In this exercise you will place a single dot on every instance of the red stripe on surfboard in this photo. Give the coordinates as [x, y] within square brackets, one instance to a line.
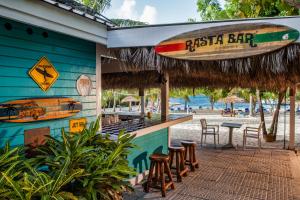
[170, 47]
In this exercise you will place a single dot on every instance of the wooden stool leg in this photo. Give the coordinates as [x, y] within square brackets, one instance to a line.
[171, 158]
[178, 167]
[149, 180]
[191, 159]
[162, 178]
[157, 172]
[195, 159]
[170, 177]
[182, 165]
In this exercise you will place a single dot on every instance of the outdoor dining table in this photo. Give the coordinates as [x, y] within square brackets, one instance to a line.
[231, 126]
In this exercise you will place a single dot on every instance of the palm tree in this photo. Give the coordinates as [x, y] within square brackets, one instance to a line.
[214, 94]
[184, 94]
[97, 5]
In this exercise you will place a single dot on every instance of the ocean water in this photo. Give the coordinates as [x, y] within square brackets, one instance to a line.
[202, 102]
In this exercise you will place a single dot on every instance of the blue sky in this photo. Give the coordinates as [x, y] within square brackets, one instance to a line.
[154, 11]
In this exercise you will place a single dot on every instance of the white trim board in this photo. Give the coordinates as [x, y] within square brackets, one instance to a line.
[47, 16]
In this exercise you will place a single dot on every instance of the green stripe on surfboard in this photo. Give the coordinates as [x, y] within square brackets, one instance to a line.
[276, 36]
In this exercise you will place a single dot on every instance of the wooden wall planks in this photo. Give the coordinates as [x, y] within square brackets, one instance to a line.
[19, 51]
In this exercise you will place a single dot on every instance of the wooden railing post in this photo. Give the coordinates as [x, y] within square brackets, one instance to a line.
[292, 117]
[142, 96]
[165, 96]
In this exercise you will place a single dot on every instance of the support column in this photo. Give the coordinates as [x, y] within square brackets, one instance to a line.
[165, 96]
[292, 117]
[98, 80]
[142, 96]
[251, 105]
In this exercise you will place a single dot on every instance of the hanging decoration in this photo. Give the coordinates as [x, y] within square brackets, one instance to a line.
[84, 85]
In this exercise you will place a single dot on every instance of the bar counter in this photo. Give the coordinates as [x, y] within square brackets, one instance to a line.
[151, 136]
[144, 125]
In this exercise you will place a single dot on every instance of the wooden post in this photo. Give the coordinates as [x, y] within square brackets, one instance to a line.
[292, 117]
[98, 79]
[165, 96]
[251, 105]
[142, 95]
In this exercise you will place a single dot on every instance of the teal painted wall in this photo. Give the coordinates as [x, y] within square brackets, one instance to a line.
[156, 142]
[19, 52]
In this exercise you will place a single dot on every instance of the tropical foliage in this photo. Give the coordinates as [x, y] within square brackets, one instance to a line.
[77, 166]
[97, 5]
[127, 22]
[212, 10]
[233, 9]
[214, 94]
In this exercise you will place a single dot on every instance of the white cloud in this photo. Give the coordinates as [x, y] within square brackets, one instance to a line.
[149, 14]
[127, 10]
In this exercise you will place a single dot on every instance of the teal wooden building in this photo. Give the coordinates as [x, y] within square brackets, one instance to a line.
[79, 42]
[20, 50]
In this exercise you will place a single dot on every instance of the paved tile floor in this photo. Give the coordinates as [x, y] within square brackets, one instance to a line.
[233, 174]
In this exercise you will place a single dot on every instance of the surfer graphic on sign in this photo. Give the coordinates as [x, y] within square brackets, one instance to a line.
[44, 73]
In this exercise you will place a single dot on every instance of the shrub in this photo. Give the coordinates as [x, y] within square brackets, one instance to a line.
[77, 166]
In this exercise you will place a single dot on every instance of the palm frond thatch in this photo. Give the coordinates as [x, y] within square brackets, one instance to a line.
[273, 70]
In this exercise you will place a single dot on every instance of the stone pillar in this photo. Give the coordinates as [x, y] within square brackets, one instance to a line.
[292, 117]
[165, 96]
[142, 96]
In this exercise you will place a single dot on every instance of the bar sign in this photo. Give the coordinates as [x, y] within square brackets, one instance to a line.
[77, 125]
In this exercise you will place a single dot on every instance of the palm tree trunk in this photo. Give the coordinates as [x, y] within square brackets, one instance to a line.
[274, 124]
[212, 103]
[114, 105]
[251, 105]
[261, 111]
[254, 107]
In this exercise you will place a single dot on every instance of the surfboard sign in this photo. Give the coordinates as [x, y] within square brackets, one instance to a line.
[227, 42]
[39, 109]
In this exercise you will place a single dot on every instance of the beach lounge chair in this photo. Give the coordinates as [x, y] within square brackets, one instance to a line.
[252, 132]
[228, 113]
[209, 130]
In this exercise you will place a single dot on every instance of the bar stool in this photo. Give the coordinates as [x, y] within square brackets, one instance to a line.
[181, 169]
[190, 154]
[160, 163]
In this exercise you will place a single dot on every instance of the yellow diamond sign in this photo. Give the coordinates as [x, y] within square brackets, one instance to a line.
[44, 73]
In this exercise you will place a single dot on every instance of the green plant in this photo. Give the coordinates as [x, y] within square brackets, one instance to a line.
[76, 166]
[11, 165]
[39, 185]
[103, 161]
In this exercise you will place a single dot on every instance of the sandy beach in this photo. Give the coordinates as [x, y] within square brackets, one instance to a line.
[192, 129]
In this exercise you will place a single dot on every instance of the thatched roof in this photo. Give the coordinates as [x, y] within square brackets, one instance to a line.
[129, 99]
[232, 99]
[274, 70]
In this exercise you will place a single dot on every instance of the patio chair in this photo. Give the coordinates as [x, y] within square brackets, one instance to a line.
[209, 130]
[252, 132]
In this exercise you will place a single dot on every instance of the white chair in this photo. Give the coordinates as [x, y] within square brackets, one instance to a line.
[209, 130]
[254, 133]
